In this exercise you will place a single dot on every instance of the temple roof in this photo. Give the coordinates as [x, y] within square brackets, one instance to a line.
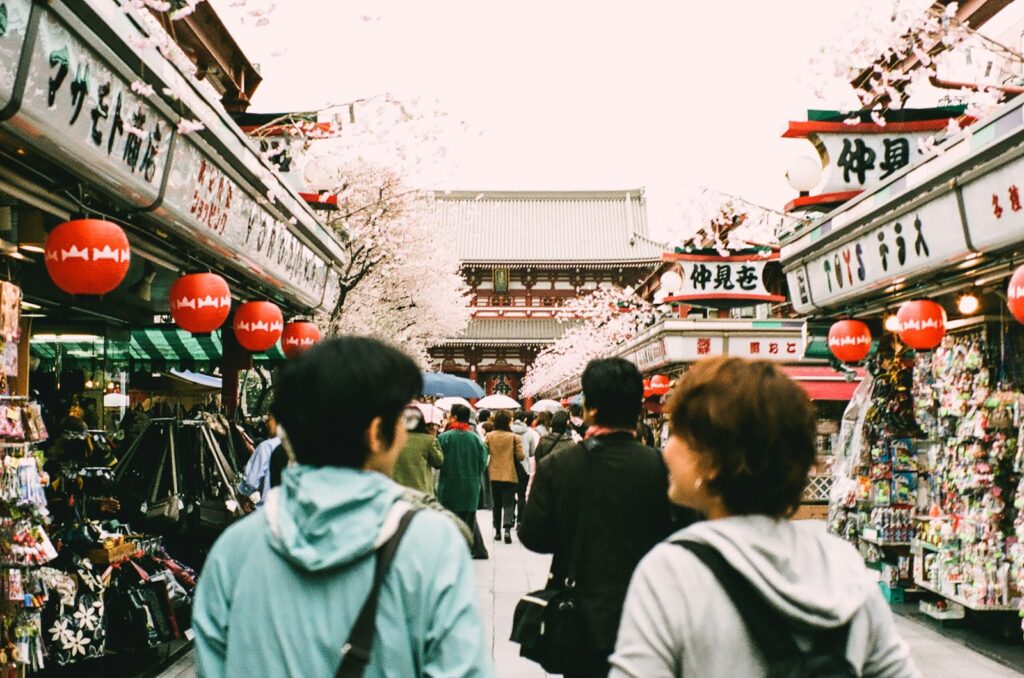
[527, 331]
[547, 226]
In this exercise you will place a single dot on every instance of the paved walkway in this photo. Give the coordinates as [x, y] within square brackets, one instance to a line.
[512, 571]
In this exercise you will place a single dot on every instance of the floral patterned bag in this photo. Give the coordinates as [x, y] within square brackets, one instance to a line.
[74, 618]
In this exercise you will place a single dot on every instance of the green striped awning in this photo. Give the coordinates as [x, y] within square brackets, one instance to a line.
[152, 348]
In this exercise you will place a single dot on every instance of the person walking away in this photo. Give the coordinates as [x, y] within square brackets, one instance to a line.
[282, 588]
[506, 450]
[421, 453]
[542, 423]
[576, 422]
[556, 440]
[529, 439]
[458, 486]
[483, 416]
[742, 443]
[257, 469]
[627, 512]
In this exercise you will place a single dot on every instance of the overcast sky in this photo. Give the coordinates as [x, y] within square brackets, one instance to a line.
[567, 94]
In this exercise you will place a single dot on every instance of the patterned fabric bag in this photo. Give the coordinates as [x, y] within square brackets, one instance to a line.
[74, 618]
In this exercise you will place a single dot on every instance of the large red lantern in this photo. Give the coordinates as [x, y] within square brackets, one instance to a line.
[647, 389]
[299, 336]
[660, 384]
[258, 325]
[1015, 294]
[87, 256]
[200, 302]
[849, 340]
[922, 324]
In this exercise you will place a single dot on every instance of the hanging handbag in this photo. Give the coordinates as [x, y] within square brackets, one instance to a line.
[547, 623]
[166, 510]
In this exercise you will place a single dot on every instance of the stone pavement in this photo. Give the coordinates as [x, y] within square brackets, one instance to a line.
[512, 571]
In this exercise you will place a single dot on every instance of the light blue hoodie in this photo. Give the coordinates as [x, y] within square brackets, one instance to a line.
[281, 588]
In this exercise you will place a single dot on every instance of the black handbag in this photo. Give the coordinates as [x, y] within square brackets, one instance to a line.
[547, 623]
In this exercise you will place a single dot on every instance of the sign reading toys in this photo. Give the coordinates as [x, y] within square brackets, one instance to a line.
[723, 280]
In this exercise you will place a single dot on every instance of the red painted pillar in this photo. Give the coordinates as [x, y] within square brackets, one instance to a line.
[233, 360]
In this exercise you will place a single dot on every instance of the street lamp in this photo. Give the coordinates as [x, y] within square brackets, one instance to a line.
[671, 282]
[803, 173]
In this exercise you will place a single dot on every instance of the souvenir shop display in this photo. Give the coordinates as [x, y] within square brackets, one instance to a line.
[938, 469]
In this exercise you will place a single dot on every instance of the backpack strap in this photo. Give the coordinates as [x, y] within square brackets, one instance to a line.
[582, 524]
[355, 654]
[768, 628]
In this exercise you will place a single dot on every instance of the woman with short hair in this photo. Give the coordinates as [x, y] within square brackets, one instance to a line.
[741, 446]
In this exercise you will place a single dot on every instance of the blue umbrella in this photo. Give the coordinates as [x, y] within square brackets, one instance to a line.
[440, 385]
[577, 400]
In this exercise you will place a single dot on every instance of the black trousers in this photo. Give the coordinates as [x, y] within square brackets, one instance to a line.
[524, 481]
[504, 503]
[478, 550]
[591, 665]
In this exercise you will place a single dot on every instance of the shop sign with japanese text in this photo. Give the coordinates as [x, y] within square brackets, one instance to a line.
[88, 112]
[993, 204]
[13, 28]
[766, 348]
[650, 355]
[723, 278]
[201, 197]
[891, 252]
[852, 161]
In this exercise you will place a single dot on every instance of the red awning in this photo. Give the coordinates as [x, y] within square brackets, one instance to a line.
[823, 383]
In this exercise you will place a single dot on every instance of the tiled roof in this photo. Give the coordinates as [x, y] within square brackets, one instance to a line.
[511, 330]
[547, 226]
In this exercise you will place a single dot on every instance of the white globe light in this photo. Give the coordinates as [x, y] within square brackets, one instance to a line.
[803, 173]
[320, 174]
[671, 281]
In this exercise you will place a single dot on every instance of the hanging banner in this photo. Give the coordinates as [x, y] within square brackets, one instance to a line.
[735, 278]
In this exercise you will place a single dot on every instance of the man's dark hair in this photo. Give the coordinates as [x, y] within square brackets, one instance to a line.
[520, 415]
[461, 413]
[757, 427]
[614, 388]
[483, 415]
[502, 421]
[327, 397]
[577, 410]
[560, 422]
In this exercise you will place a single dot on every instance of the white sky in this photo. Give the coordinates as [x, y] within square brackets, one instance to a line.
[567, 94]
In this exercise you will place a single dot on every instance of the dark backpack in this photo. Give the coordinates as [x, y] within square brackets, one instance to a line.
[772, 631]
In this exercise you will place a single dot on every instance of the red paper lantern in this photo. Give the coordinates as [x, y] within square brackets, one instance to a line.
[660, 384]
[1015, 294]
[258, 325]
[922, 324]
[200, 302]
[87, 256]
[647, 389]
[849, 340]
[298, 337]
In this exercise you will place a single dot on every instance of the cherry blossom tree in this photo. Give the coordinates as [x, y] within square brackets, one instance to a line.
[601, 322]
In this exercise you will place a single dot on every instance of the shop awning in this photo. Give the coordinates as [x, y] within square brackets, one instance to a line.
[152, 348]
[824, 383]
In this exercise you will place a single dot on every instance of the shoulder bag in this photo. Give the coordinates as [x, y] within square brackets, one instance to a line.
[355, 654]
[547, 623]
[771, 631]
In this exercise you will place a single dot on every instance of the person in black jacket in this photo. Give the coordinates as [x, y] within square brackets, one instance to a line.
[626, 484]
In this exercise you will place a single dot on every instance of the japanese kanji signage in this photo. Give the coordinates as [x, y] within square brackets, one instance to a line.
[852, 161]
[723, 278]
[993, 204]
[693, 343]
[889, 252]
[75, 100]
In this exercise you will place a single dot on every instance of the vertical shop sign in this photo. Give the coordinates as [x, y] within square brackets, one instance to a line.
[90, 114]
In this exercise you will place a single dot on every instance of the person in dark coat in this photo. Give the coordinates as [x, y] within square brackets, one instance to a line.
[458, 484]
[626, 484]
[557, 439]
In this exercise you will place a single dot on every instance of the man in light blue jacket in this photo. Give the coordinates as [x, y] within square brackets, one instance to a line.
[282, 588]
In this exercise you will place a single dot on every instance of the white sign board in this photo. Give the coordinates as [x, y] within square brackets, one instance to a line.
[852, 161]
[738, 278]
[994, 204]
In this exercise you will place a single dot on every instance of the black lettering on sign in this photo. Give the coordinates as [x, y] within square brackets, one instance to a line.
[79, 89]
[58, 58]
[101, 111]
[3, 19]
[117, 126]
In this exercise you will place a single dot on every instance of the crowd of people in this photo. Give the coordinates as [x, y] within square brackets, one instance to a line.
[683, 560]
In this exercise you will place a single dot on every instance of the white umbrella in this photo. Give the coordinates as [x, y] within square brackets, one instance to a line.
[432, 414]
[497, 402]
[446, 403]
[546, 406]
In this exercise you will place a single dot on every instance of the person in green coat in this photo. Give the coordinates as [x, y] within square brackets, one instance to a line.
[465, 458]
[420, 454]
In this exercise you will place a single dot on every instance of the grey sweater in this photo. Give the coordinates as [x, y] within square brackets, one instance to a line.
[679, 622]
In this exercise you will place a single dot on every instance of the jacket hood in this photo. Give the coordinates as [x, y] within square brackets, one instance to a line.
[328, 516]
[519, 428]
[813, 578]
